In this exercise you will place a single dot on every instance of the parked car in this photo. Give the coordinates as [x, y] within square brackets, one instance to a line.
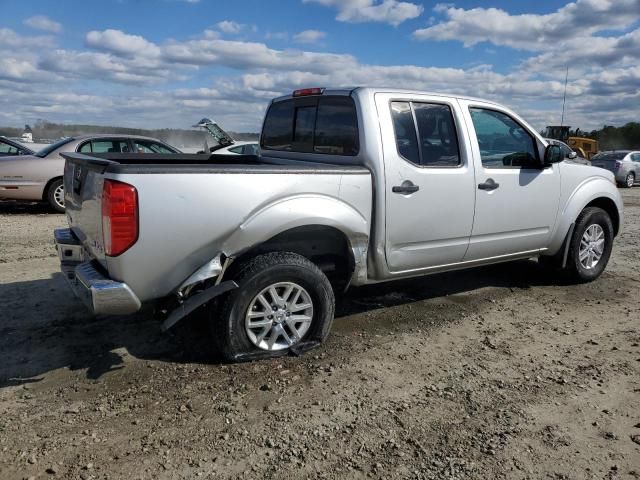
[38, 176]
[624, 164]
[240, 148]
[569, 154]
[351, 187]
[10, 147]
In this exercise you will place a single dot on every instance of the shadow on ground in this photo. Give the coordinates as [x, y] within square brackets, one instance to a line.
[45, 328]
[9, 207]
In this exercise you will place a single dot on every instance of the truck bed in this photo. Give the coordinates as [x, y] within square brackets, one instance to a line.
[192, 207]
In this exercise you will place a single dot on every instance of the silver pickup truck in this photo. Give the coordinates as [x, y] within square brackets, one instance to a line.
[351, 187]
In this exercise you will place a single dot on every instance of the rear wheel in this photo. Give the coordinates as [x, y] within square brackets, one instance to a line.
[283, 302]
[590, 246]
[55, 195]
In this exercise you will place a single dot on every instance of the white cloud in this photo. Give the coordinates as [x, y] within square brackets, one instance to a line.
[121, 43]
[38, 74]
[393, 12]
[309, 36]
[41, 22]
[602, 51]
[10, 40]
[531, 31]
[229, 26]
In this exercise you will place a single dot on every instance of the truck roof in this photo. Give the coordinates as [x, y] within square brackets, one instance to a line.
[373, 90]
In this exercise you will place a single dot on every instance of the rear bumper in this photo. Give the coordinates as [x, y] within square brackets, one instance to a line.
[99, 293]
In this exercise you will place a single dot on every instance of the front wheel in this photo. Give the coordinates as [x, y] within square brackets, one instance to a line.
[590, 246]
[283, 302]
[55, 195]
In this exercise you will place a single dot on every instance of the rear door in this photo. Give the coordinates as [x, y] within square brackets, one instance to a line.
[516, 200]
[429, 181]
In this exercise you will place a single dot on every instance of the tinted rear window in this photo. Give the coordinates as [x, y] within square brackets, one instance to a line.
[327, 125]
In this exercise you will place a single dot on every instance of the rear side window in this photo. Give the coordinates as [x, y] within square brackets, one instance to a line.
[326, 125]
[425, 134]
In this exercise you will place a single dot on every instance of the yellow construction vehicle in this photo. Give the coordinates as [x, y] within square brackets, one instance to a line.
[584, 147]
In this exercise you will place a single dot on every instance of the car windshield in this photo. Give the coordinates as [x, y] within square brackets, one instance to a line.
[610, 156]
[47, 150]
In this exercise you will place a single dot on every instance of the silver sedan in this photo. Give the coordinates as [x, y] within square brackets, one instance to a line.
[624, 164]
[38, 177]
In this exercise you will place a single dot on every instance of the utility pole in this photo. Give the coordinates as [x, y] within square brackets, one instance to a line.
[564, 98]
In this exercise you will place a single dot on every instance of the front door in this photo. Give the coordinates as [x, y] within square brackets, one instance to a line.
[516, 200]
[429, 185]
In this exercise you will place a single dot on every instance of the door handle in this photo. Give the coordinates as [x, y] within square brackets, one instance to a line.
[489, 185]
[406, 188]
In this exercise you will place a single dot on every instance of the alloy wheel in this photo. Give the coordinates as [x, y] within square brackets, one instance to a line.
[592, 246]
[279, 316]
[58, 196]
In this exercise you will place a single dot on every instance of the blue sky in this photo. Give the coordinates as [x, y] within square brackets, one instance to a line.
[166, 63]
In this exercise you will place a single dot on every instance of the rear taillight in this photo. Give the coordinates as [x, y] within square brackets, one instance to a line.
[119, 217]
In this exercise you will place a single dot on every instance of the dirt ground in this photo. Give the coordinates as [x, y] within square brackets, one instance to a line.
[493, 373]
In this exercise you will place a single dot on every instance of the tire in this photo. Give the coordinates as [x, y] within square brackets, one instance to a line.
[237, 337]
[630, 180]
[598, 223]
[55, 195]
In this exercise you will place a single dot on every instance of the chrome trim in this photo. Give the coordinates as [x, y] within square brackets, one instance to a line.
[69, 248]
[99, 293]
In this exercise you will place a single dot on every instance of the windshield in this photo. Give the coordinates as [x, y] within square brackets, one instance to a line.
[610, 156]
[47, 150]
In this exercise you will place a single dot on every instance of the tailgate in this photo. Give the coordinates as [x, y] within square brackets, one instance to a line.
[83, 181]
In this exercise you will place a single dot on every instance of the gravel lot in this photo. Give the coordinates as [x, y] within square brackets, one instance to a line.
[492, 373]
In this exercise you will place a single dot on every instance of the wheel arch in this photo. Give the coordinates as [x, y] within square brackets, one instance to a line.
[609, 206]
[327, 231]
[597, 192]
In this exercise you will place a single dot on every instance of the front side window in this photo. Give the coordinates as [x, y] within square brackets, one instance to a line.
[503, 142]
[425, 134]
[326, 125]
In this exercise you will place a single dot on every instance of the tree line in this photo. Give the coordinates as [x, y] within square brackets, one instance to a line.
[44, 131]
[609, 137]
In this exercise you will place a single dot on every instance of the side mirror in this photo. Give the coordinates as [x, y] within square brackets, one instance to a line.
[552, 154]
[572, 156]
